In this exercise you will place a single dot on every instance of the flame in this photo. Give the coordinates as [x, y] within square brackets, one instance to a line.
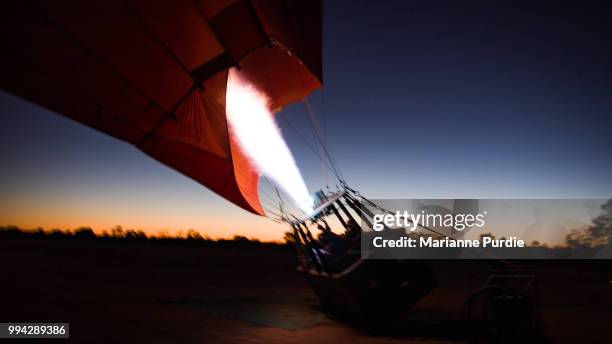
[252, 122]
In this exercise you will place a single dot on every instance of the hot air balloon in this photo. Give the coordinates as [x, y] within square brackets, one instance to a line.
[154, 73]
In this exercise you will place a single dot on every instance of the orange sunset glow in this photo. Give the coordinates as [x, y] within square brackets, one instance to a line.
[162, 218]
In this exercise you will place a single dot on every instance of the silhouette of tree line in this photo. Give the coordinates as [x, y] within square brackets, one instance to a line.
[597, 234]
[118, 234]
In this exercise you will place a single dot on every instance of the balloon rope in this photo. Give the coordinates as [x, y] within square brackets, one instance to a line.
[314, 125]
[314, 151]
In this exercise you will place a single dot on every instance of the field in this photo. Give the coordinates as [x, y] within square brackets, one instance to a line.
[153, 293]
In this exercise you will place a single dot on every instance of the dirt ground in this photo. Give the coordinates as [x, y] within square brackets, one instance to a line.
[124, 292]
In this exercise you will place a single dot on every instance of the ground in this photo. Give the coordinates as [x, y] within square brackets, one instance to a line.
[144, 292]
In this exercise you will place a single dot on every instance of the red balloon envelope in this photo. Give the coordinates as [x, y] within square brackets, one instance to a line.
[154, 73]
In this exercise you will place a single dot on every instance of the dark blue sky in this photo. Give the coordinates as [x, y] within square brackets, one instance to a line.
[427, 100]
[470, 101]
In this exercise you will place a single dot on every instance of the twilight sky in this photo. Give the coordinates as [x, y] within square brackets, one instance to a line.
[436, 100]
